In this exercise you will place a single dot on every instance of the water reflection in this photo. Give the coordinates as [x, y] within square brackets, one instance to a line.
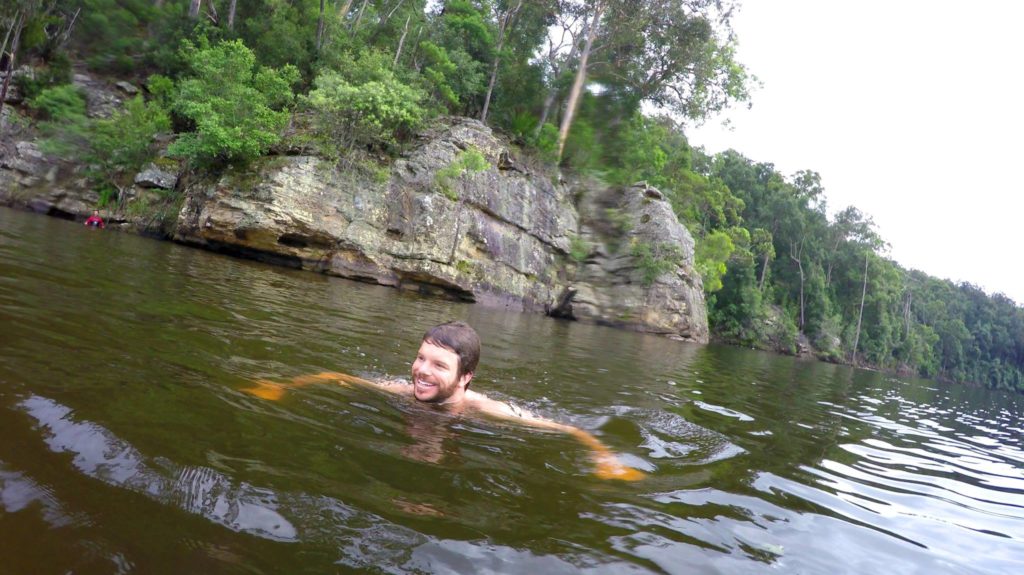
[100, 454]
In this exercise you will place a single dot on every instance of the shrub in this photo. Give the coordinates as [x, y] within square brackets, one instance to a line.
[56, 72]
[238, 109]
[378, 111]
[471, 161]
[579, 249]
[59, 104]
[112, 147]
[653, 262]
[121, 143]
[713, 251]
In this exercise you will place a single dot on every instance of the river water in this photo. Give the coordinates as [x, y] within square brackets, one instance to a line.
[128, 446]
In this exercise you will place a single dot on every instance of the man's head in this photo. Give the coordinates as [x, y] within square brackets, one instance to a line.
[445, 362]
[96, 213]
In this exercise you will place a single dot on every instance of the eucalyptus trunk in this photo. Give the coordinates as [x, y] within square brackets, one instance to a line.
[505, 23]
[343, 11]
[577, 85]
[18, 20]
[359, 17]
[231, 14]
[800, 266]
[385, 19]
[401, 41]
[764, 273]
[320, 27]
[193, 9]
[860, 316]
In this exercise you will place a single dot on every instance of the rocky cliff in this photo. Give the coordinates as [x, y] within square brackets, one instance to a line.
[490, 231]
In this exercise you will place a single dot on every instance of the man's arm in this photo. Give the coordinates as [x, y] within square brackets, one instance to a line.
[273, 391]
[607, 465]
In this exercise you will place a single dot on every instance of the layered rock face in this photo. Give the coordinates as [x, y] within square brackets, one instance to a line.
[489, 232]
[639, 272]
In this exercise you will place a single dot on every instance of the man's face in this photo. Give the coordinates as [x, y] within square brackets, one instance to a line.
[435, 373]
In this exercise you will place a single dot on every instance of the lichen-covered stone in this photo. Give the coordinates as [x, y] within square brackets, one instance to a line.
[153, 176]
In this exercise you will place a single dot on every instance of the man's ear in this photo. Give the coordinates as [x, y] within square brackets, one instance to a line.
[465, 379]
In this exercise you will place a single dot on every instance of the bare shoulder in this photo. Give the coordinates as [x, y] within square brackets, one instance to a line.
[505, 410]
[484, 404]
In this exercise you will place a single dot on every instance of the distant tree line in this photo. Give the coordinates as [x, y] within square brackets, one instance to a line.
[566, 80]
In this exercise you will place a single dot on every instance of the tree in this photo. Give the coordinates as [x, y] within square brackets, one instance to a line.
[9, 57]
[506, 18]
[238, 108]
[591, 26]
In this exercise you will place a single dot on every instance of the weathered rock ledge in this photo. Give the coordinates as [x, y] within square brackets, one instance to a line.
[500, 236]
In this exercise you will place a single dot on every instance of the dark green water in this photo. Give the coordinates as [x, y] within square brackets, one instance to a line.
[126, 445]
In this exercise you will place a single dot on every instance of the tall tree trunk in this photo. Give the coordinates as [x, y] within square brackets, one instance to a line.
[552, 96]
[831, 260]
[906, 314]
[505, 23]
[577, 85]
[193, 9]
[211, 12]
[800, 265]
[401, 41]
[385, 19]
[362, 8]
[231, 14]
[343, 10]
[7, 36]
[764, 272]
[18, 21]
[320, 27]
[549, 102]
[863, 293]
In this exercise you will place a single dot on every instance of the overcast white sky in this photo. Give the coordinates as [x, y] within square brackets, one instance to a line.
[911, 110]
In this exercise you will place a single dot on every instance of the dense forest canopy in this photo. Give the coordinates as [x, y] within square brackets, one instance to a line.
[569, 81]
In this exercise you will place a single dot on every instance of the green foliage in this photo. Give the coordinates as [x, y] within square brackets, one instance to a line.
[380, 110]
[55, 72]
[113, 148]
[438, 73]
[579, 249]
[620, 221]
[121, 143]
[712, 253]
[546, 142]
[655, 261]
[469, 161]
[108, 195]
[63, 103]
[238, 109]
[162, 89]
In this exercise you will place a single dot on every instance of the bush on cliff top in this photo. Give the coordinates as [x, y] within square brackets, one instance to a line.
[378, 111]
[238, 109]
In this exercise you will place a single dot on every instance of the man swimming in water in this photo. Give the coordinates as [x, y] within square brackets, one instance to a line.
[441, 373]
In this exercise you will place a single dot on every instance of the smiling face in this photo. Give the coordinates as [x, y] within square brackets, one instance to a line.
[435, 375]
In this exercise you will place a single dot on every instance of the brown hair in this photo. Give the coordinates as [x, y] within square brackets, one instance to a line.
[460, 338]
